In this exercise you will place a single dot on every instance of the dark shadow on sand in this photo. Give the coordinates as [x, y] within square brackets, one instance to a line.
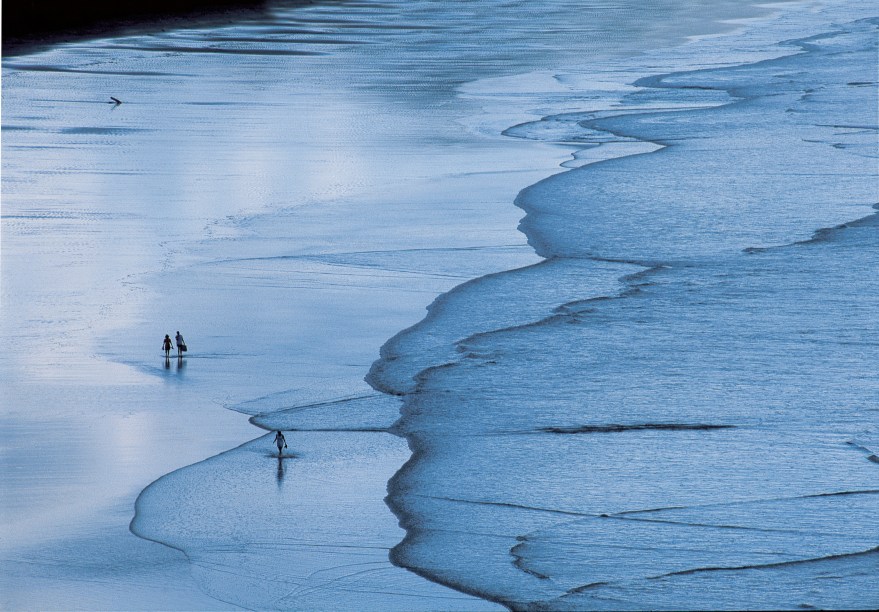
[29, 27]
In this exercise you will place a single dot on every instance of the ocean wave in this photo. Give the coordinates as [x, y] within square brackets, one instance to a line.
[738, 372]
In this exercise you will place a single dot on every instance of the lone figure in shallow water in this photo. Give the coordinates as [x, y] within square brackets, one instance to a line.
[281, 442]
[166, 346]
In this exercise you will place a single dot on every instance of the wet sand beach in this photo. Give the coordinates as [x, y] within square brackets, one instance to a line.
[290, 191]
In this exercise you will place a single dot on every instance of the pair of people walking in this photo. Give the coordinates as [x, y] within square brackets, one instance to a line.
[181, 345]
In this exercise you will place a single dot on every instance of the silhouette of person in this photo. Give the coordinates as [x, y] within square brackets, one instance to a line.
[166, 346]
[280, 441]
[181, 345]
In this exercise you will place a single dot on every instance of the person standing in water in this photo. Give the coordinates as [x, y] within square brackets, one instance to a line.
[166, 346]
[281, 442]
[181, 345]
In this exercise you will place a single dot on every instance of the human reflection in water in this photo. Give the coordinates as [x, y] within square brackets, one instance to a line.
[181, 363]
[167, 363]
[280, 474]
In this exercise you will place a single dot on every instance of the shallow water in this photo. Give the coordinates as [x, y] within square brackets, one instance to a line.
[704, 436]
[290, 193]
